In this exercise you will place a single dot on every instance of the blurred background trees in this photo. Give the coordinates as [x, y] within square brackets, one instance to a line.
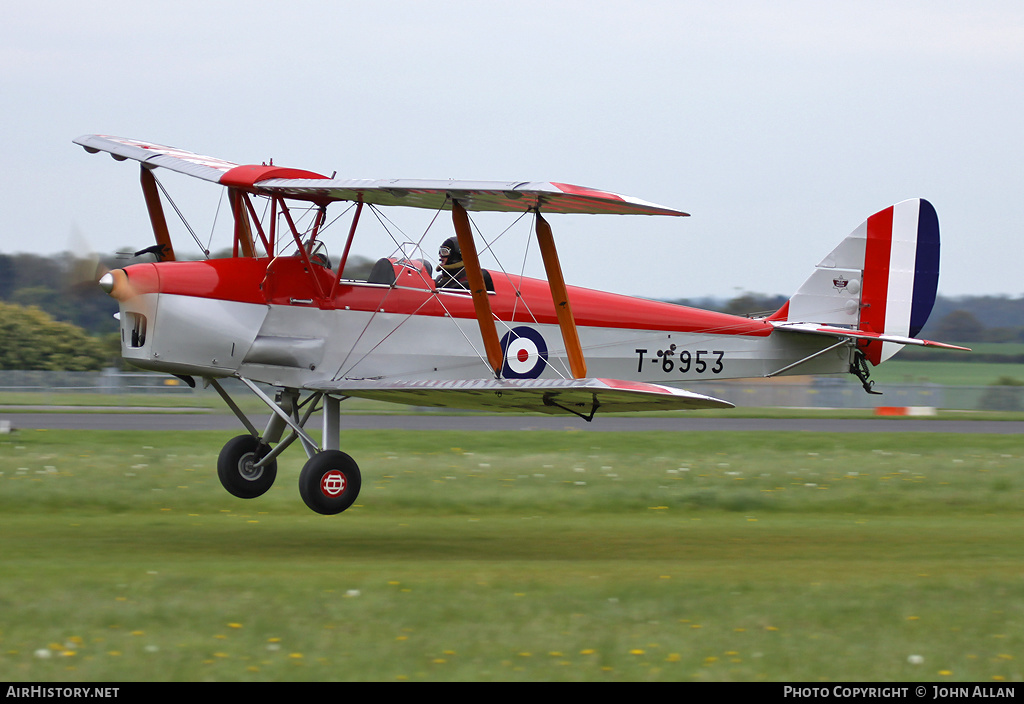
[54, 316]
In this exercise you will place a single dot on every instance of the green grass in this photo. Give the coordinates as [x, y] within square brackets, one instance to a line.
[518, 556]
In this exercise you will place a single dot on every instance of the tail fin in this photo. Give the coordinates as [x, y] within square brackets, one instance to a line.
[881, 279]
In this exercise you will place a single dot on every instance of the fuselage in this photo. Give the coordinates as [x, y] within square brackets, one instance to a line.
[286, 323]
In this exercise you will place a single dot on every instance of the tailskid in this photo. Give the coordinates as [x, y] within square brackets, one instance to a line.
[859, 368]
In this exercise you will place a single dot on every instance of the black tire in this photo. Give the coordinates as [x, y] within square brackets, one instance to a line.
[329, 482]
[235, 467]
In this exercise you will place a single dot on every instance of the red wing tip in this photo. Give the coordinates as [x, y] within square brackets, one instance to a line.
[636, 386]
[639, 206]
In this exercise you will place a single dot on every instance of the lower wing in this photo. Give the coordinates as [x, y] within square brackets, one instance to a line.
[582, 397]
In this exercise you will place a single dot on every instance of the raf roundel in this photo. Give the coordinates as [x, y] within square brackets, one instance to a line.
[526, 353]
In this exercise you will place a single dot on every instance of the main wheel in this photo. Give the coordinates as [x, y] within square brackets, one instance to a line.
[237, 471]
[329, 482]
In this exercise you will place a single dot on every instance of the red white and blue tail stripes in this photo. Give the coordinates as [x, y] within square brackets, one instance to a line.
[901, 273]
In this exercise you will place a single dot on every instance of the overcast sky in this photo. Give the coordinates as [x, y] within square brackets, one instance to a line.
[779, 126]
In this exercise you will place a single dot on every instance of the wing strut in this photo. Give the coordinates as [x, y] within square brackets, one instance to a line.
[475, 276]
[348, 246]
[243, 233]
[559, 294]
[156, 214]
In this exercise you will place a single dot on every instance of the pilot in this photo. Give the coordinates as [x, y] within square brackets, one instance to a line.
[452, 271]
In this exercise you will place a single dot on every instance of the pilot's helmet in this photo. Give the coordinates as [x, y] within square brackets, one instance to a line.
[449, 252]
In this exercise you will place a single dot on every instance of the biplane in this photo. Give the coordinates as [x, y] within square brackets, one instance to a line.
[288, 322]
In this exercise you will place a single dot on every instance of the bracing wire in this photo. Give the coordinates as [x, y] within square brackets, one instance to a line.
[181, 216]
[381, 218]
[213, 227]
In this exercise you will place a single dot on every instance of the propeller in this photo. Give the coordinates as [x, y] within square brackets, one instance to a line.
[115, 281]
[87, 269]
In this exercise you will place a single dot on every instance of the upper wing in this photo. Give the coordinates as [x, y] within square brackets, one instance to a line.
[579, 396]
[814, 329]
[207, 168]
[511, 196]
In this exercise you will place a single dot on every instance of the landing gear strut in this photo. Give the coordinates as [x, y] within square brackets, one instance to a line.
[330, 480]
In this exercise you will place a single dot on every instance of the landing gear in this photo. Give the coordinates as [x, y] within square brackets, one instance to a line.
[247, 466]
[238, 470]
[330, 482]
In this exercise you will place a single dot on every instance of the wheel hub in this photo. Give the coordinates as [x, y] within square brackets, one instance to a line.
[333, 484]
[248, 469]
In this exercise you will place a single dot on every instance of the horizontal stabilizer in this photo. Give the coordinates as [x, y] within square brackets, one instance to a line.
[814, 329]
[580, 396]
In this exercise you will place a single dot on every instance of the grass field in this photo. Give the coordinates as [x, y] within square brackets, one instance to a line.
[518, 556]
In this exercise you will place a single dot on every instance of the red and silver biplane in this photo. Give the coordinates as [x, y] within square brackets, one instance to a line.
[281, 313]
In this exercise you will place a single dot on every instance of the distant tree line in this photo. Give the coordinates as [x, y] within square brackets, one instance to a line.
[956, 319]
[64, 286]
[70, 307]
[31, 339]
